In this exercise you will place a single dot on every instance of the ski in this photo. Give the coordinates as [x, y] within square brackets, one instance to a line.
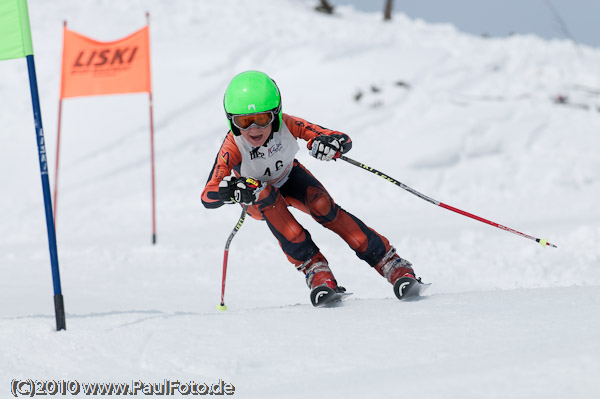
[407, 287]
[323, 296]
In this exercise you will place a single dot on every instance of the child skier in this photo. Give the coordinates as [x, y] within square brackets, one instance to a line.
[260, 149]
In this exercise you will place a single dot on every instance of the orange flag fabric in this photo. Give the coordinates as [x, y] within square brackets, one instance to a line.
[91, 68]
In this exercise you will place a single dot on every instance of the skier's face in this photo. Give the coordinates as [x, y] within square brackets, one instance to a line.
[257, 136]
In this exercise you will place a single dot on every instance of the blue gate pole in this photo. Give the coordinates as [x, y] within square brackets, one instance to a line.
[59, 307]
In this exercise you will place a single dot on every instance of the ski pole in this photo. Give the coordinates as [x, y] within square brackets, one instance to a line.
[222, 305]
[541, 241]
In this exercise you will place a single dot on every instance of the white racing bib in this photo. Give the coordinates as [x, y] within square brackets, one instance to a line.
[271, 163]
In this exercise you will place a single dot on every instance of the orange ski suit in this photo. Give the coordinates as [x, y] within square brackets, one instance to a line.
[300, 190]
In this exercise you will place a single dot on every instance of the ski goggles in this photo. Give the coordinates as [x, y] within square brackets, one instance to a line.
[261, 119]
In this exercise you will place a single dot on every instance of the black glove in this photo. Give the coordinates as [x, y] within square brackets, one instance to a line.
[327, 147]
[243, 190]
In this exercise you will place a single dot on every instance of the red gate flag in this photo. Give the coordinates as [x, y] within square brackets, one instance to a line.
[90, 67]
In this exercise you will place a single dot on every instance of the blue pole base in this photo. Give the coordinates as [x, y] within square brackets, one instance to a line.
[59, 311]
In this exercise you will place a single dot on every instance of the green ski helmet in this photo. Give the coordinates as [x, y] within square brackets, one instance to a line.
[252, 92]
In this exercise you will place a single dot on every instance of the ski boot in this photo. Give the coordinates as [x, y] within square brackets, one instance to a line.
[400, 274]
[323, 287]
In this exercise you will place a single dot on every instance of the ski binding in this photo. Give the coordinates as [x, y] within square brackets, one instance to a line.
[324, 296]
[408, 287]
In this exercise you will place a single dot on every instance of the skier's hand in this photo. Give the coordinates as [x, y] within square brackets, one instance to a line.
[326, 147]
[243, 190]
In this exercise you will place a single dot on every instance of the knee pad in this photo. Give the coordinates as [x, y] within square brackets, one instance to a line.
[321, 205]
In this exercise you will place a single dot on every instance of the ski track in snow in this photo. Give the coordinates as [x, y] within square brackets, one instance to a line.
[473, 124]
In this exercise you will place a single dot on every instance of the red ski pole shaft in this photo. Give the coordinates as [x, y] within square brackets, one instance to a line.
[226, 255]
[541, 241]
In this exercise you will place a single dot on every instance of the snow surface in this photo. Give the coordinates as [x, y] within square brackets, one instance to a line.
[468, 121]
